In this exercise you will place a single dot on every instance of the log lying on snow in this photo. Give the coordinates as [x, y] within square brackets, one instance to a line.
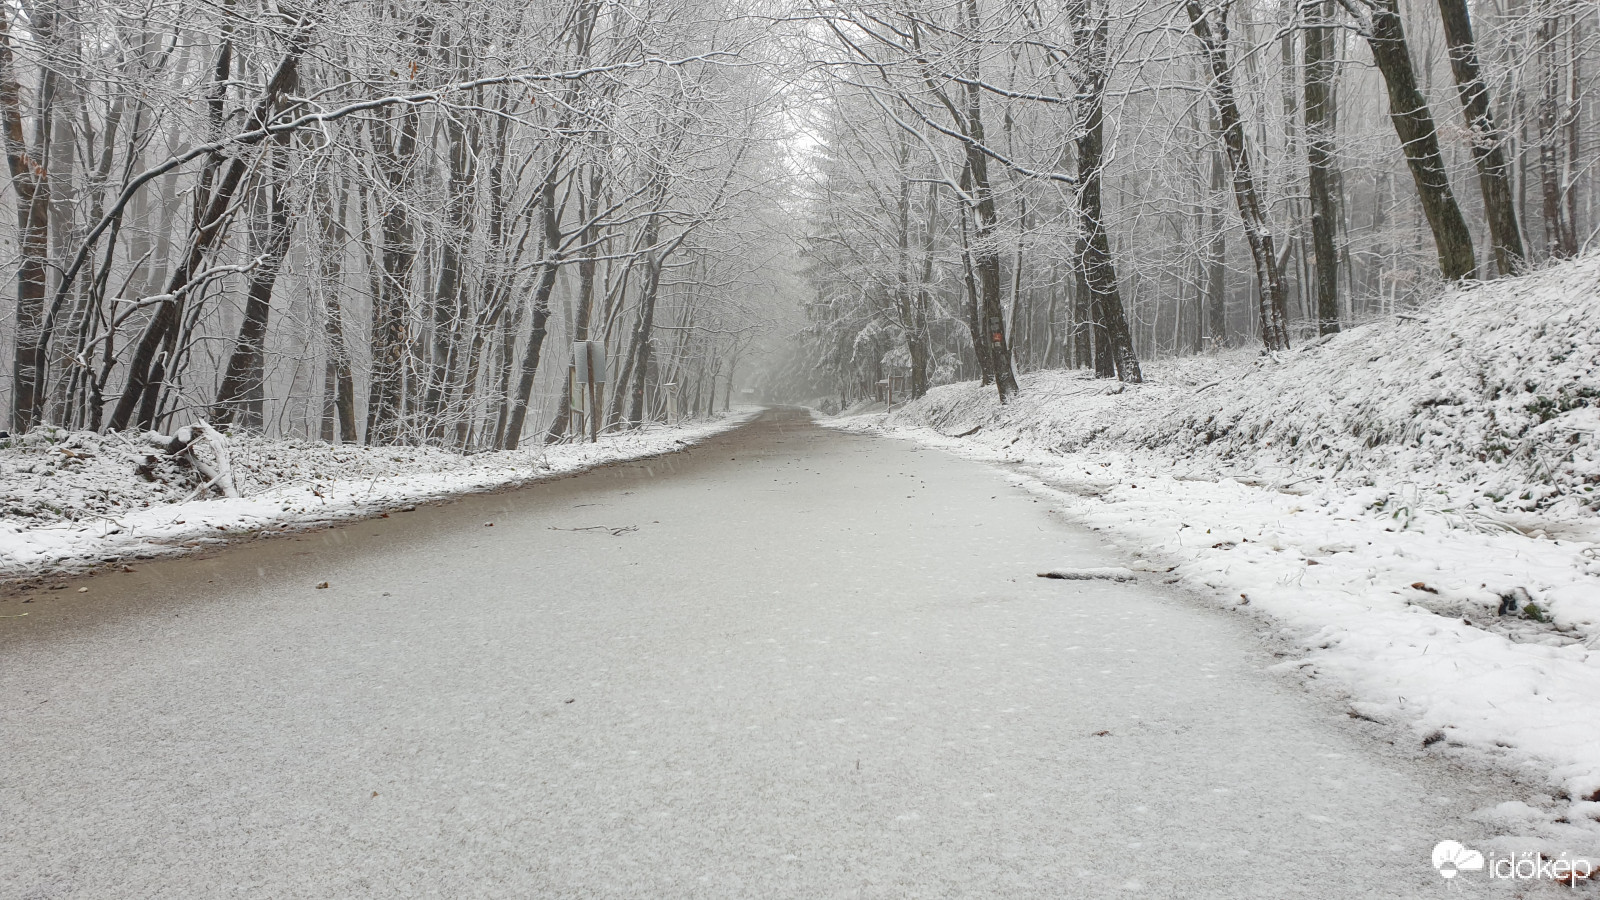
[218, 472]
[1110, 573]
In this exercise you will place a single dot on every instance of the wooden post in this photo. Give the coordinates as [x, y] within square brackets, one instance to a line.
[575, 409]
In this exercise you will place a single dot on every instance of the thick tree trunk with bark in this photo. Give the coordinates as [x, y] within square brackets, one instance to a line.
[1320, 163]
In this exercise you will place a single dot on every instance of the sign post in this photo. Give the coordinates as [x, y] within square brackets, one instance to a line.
[575, 406]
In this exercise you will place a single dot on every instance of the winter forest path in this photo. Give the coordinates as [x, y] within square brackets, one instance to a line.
[787, 662]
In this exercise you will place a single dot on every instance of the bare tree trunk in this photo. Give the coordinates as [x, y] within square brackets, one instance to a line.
[920, 345]
[1113, 342]
[1488, 141]
[908, 299]
[1575, 98]
[1320, 162]
[1084, 338]
[642, 345]
[508, 356]
[588, 266]
[581, 35]
[1055, 349]
[986, 252]
[1419, 139]
[156, 355]
[339, 415]
[449, 296]
[1017, 330]
[1216, 302]
[61, 110]
[243, 389]
[1213, 36]
[397, 255]
[539, 308]
[1560, 232]
[83, 389]
[493, 289]
[655, 263]
[973, 306]
[32, 185]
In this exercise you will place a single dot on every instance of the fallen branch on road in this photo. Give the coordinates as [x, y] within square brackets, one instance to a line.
[1109, 573]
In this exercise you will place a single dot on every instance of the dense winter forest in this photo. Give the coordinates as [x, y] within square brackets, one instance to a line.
[388, 222]
[1015, 185]
[377, 221]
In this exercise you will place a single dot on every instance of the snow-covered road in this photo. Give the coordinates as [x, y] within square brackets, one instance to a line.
[788, 662]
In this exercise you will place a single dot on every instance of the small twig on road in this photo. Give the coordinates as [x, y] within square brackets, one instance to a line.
[614, 532]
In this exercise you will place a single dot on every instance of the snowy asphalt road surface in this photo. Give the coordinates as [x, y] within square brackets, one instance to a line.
[790, 662]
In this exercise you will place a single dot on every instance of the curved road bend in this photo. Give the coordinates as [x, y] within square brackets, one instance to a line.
[789, 662]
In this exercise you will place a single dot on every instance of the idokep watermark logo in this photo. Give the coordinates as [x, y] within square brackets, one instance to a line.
[1452, 858]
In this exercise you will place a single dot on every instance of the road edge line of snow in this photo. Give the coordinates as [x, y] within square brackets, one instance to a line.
[68, 547]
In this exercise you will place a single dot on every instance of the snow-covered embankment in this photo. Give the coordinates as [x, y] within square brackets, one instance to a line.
[1412, 503]
[69, 500]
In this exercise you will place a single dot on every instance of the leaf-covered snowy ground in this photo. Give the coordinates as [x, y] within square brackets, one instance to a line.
[69, 500]
[1411, 502]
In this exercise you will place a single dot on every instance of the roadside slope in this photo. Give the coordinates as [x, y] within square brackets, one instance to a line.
[1489, 400]
[1410, 502]
[70, 500]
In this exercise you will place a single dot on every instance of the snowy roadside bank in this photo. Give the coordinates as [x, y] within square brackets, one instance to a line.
[1421, 529]
[1403, 622]
[70, 501]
